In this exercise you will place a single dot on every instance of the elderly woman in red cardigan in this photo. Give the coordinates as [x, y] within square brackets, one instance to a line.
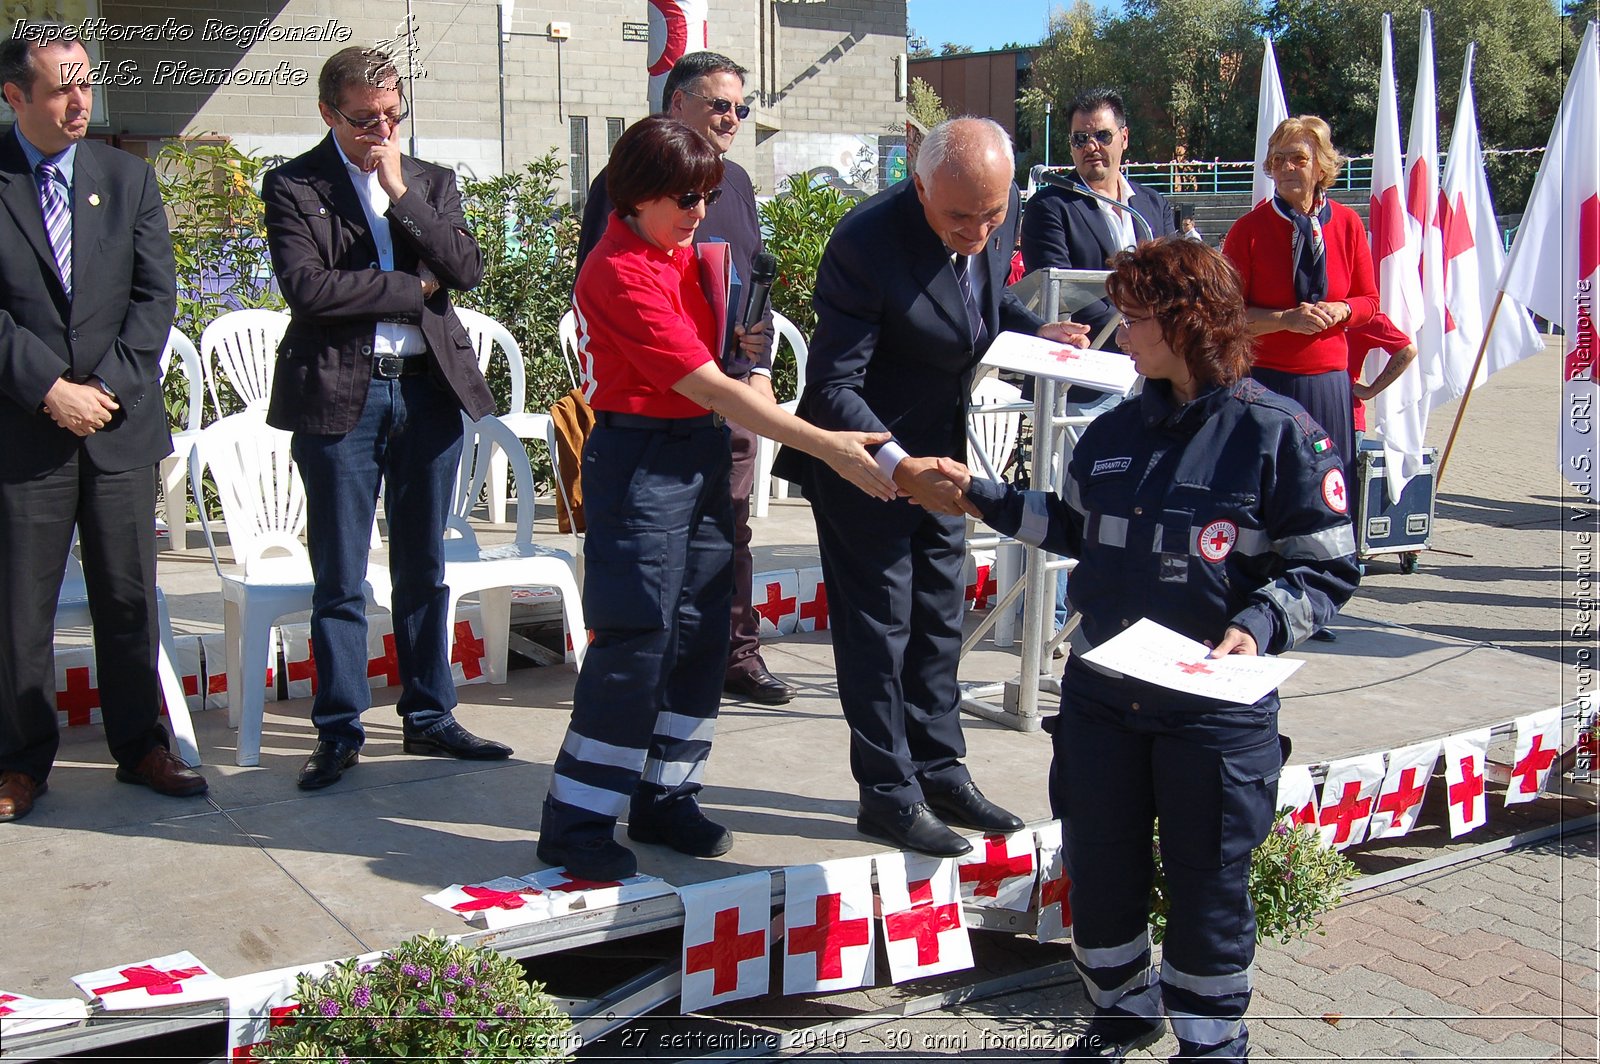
[1307, 272]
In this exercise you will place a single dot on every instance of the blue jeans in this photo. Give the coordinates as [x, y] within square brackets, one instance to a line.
[408, 438]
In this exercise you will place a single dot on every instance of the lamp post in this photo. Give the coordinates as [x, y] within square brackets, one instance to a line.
[1047, 133]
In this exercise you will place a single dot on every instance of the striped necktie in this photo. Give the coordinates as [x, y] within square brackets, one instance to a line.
[57, 220]
[969, 298]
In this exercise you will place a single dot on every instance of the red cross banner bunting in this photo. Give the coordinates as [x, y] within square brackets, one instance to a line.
[214, 653]
[1055, 910]
[1000, 872]
[1348, 791]
[812, 614]
[585, 895]
[497, 903]
[264, 1000]
[725, 940]
[1404, 786]
[1538, 746]
[776, 598]
[924, 929]
[1464, 756]
[467, 650]
[77, 687]
[21, 1014]
[169, 980]
[980, 580]
[1297, 792]
[827, 926]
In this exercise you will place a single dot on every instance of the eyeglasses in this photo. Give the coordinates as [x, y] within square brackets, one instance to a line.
[1125, 322]
[689, 200]
[721, 106]
[1104, 136]
[365, 124]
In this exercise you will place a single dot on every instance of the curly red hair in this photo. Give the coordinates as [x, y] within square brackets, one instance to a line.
[1194, 294]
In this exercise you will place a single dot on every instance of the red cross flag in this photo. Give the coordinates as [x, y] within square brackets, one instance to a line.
[497, 903]
[587, 895]
[1538, 746]
[812, 615]
[1464, 755]
[1400, 798]
[467, 650]
[924, 929]
[999, 872]
[1348, 791]
[677, 27]
[214, 654]
[299, 667]
[776, 598]
[827, 914]
[1055, 910]
[77, 687]
[725, 924]
[259, 1002]
[980, 580]
[21, 1014]
[177, 977]
[186, 659]
[1297, 792]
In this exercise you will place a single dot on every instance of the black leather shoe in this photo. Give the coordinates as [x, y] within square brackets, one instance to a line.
[757, 685]
[912, 828]
[967, 807]
[681, 825]
[1115, 1034]
[327, 763]
[1324, 635]
[455, 741]
[599, 860]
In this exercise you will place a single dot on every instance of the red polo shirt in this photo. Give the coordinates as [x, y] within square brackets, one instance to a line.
[643, 325]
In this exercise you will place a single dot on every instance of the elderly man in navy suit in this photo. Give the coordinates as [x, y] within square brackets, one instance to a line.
[909, 296]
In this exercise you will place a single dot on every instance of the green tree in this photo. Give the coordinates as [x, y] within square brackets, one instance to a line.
[924, 105]
[1069, 60]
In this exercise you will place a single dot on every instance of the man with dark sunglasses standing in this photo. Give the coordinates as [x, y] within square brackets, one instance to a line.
[372, 377]
[1074, 231]
[705, 91]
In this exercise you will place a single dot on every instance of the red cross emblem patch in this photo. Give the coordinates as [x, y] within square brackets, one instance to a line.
[1333, 492]
[1217, 540]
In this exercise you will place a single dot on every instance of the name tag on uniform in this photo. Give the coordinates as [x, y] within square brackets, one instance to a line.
[1111, 465]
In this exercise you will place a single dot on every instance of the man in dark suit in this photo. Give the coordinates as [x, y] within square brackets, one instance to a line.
[87, 294]
[910, 294]
[372, 377]
[1074, 231]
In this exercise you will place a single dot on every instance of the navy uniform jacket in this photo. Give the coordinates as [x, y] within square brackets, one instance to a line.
[1229, 510]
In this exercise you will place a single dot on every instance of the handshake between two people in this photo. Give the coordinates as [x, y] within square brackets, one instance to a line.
[938, 485]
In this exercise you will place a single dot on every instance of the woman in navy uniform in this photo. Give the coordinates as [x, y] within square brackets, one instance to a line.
[658, 554]
[1216, 508]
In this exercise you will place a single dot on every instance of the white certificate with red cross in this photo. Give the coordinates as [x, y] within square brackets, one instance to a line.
[1156, 654]
[1108, 371]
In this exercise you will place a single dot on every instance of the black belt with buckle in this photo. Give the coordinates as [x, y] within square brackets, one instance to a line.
[393, 367]
[678, 426]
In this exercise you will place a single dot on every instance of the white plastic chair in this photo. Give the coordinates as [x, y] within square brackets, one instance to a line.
[492, 571]
[994, 423]
[487, 335]
[767, 487]
[72, 611]
[242, 347]
[264, 509]
[175, 467]
[568, 332]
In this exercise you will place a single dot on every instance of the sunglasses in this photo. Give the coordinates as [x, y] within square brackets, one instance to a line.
[689, 200]
[365, 124]
[1104, 136]
[721, 106]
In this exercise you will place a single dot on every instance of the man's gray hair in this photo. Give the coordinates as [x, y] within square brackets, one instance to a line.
[959, 141]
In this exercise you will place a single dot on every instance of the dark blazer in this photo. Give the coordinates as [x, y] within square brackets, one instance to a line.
[892, 348]
[116, 326]
[327, 267]
[1067, 230]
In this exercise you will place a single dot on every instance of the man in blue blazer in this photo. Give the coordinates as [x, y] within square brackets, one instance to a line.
[1074, 231]
[910, 293]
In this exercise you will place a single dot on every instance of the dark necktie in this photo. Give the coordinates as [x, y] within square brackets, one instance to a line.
[969, 298]
[57, 220]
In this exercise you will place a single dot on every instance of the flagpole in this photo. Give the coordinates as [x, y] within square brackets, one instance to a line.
[1472, 379]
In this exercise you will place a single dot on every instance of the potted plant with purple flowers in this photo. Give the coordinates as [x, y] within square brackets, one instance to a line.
[427, 999]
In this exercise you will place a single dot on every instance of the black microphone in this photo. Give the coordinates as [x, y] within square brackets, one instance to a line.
[763, 271]
[1058, 180]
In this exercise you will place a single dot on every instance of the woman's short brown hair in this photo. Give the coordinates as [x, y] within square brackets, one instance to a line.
[1193, 293]
[659, 156]
[1315, 130]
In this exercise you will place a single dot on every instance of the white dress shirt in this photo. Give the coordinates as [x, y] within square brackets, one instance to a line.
[389, 338]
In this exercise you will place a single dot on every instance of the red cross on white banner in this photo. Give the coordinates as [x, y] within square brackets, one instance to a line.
[178, 976]
[924, 929]
[384, 665]
[813, 616]
[1404, 786]
[24, 1015]
[1297, 792]
[257, 1003]
[775, 600]
[213, 651]
[1538, 746]
[1055, 907]
[1348, 792]
[999, 874]
[827, 912]
[725, 926]
[467, 651]
[79, 697]
[1464, 756]
[497, 903]
[981, 588]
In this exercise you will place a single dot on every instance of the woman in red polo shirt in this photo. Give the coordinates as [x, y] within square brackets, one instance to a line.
[659, 550]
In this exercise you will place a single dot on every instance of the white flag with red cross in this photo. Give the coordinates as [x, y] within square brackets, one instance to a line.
[169, 980]
[497, 903]
[1055, 907]
[725, 940]
[21, 1014]
[187, 658]
[1404, 786]
[383, 662]
[1464, 757]
[980, 579]
[77, 687]
[467, 651]
[588, 895]
[1538, 746]
[1348, 791]
[812, 613]
[214, 650]
[1000, 872]
[1297, 792]
[827, 926]
[924, 929]
[259, 1002]
[299, 666]
[776, 600]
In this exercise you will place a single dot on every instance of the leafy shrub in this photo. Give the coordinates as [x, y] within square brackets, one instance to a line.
[797, 225]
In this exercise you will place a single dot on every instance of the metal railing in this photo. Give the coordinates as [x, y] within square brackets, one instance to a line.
[1221, 177]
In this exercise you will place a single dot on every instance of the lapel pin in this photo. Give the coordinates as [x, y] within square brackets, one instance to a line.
[94, 199]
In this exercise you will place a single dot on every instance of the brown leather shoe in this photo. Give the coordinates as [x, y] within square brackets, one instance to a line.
[17, 792]
[165, 773]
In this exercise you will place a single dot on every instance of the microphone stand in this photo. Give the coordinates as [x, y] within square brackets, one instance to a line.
[1059, 180]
